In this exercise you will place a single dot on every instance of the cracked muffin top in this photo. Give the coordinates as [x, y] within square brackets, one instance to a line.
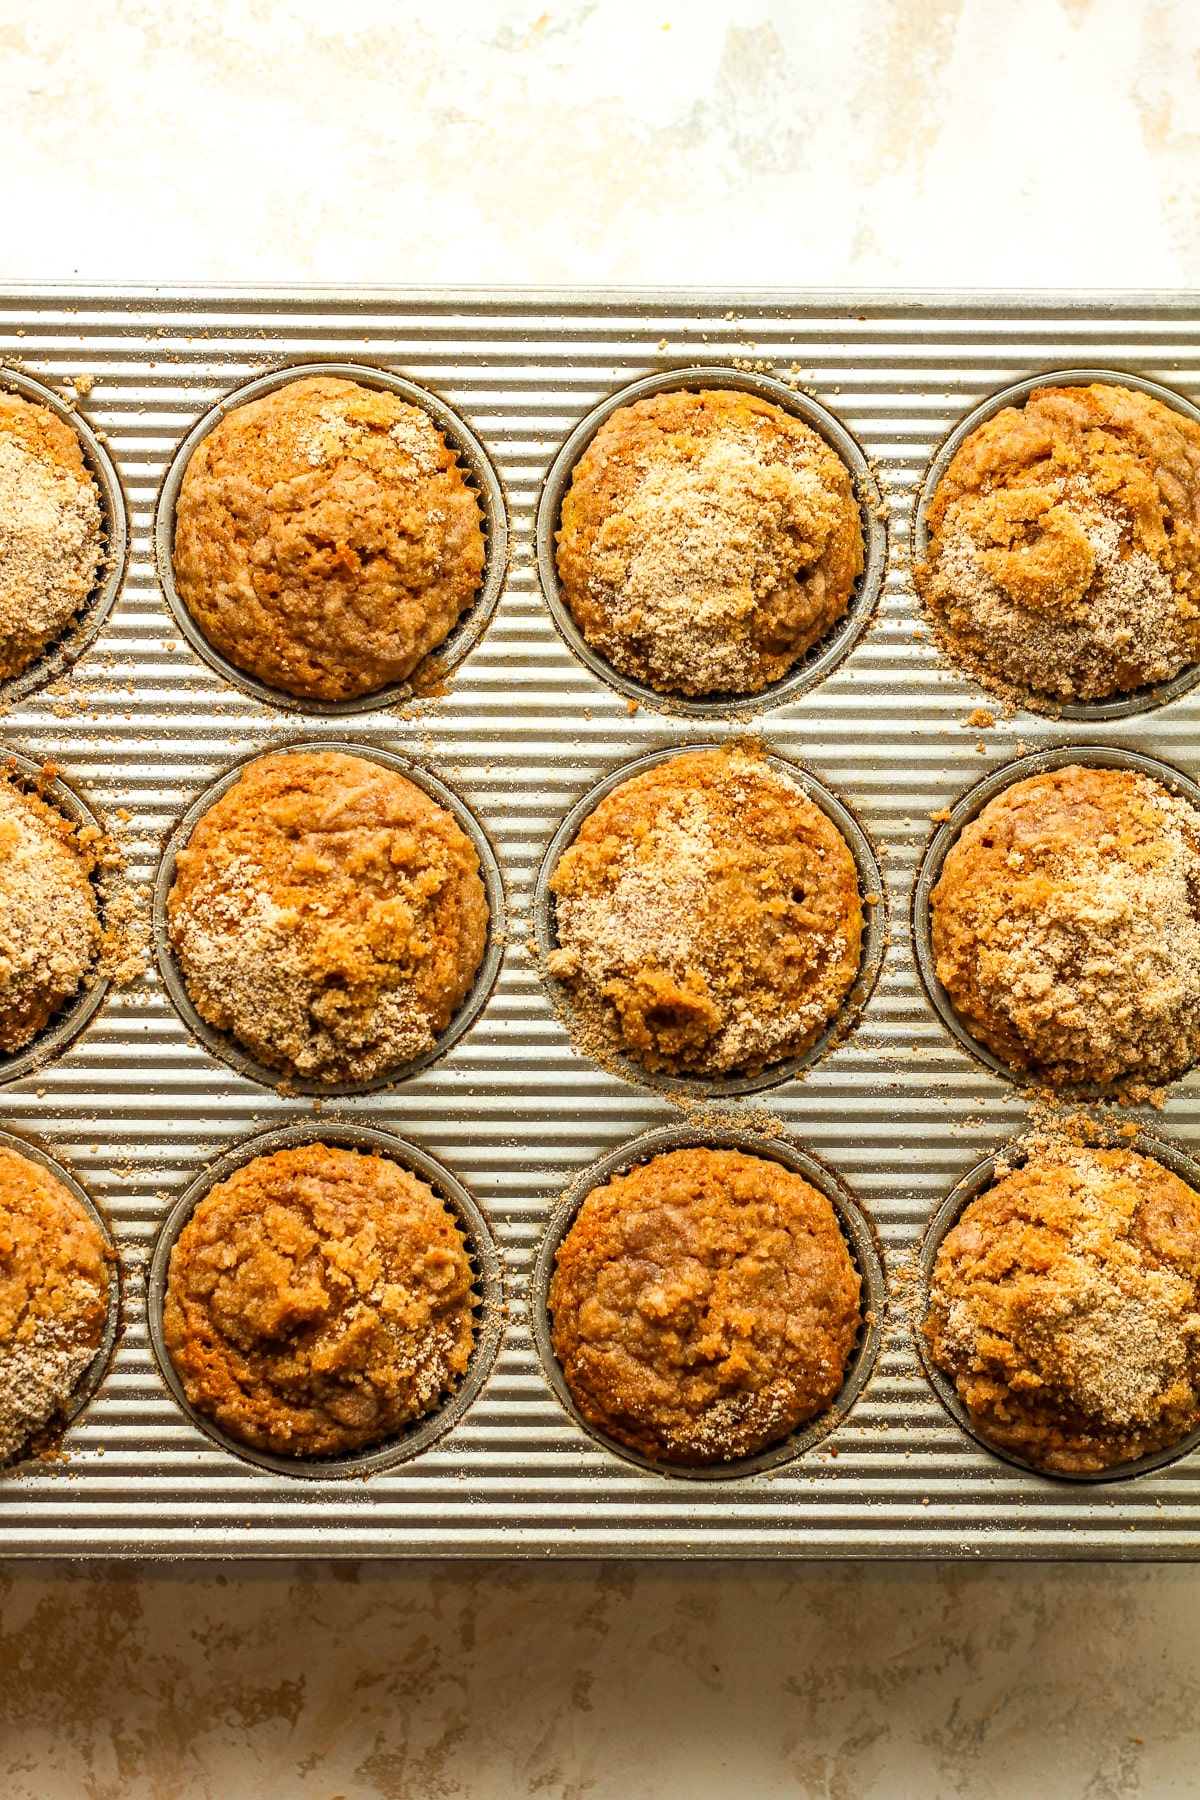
[326, 540]
[708, 540]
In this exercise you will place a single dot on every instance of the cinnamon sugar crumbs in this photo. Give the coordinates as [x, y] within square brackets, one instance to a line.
[50, 530]
[49, 926]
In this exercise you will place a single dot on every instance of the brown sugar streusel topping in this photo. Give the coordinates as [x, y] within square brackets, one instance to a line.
[1064, 546]
[51, 530]
[1064, 1306]
[708, 541]
[326, 540]
[49, 926]
[704, 1306]
[1066, 927]
[318, 1301]
[328, 914]
[708, 917]
[54, 1294]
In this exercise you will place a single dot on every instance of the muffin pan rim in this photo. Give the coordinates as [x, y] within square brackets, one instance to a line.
[84, 626]
[1137, 701]
[824, 657]
[483, 479]
[482, 1248]
[967, 807]
[977, 1180]
[849, 1014]
[857, 1232]
[222, 1044]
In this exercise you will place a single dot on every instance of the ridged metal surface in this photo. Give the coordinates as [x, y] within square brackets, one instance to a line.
[898, 1110]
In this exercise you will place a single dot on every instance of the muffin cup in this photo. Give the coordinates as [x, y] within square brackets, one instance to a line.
[1119, 706]
[875, 924]
[975, 1182]
[80, 631]
[825, 655]
[971, 804]
[488, 1287]
[223, 1044]
[66, 1024]
[481, 478]
[860, 1241]
[88, 1383]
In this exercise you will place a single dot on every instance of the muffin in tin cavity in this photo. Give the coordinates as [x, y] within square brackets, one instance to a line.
[57, 1286]
[704, 1305]
[708, 540]
[1061, 557]
[50, 933]
[319, 1300]
[707, 917]
[1063, 1304]
[329, 915]
[326, 539]
[51, 530]
[1065, 928]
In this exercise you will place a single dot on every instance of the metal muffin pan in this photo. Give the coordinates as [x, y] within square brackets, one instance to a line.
[88, 1385]
[971, 804]
[72, 1018]
[1119, 706]
[825, 655]
[489, 1298]
[872, 892]
[975, 1182]
[141, 1107]
[223, 1043]
[81, 632]
[480, 475]
[860, 1241]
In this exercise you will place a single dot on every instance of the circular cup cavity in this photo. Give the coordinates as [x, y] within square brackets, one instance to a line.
[481, 478]
[968, 807]
[64, 651]
[223, 1044]
[89, 1382]
[860, 1241]
[824, 656]
[974, 1183]
[1117, 706]
[874, 942]
[489, 1295]
[66, 1024]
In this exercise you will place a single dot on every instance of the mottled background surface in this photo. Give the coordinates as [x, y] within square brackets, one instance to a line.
[886, 142]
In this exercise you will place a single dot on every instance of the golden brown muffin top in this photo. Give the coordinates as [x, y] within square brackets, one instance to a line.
[704, 1305]
[1066, 927]
[54, 1291]
[319, 1300]
[50, 530]
[1064, 546]
[329, 914]
[708, 916]
[1064, 1306]
[49, 927]
[325, 538]
[708, 541]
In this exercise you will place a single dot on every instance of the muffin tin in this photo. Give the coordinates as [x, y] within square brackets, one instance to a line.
[523, 731]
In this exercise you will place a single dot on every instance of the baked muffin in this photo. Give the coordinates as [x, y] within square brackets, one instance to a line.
[51, 530]
[708, 541]
[708, 917]
[1064, 546]
[704, 1306]
[1066, 927]
[1064, 1307]
[319, 1300]
[325, 538]
[49, 928]
[328, 914]
[54, 1296]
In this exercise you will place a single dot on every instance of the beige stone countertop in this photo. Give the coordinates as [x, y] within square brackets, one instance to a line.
[961, 143]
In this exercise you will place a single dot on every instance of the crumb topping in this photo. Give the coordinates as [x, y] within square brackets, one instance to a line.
[49, 928]
[50, 530]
